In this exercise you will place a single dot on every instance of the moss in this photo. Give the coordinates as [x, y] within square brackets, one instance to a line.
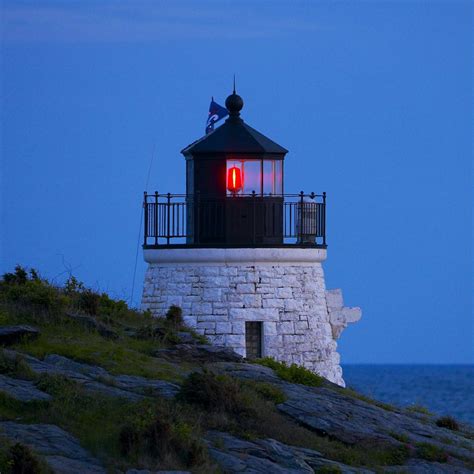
[292, 373]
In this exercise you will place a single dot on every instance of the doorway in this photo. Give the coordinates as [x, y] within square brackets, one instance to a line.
[253, 339]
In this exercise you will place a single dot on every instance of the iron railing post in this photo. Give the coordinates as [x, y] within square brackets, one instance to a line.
[145, 220]
[253, 217]
[155, 218]
[324, 218]
[168, 205]
[301, 216]
[197, 214]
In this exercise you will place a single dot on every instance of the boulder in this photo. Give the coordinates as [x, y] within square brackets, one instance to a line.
[61, 451]
[22, 390]
[199, 353]
[97, 380]
[268, 455]
[12, 334]
[91, 323]
[342, 415]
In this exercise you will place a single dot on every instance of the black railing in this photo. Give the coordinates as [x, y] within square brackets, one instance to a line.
[235, 221]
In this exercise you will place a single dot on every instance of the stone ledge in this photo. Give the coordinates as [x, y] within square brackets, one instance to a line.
[233, 256]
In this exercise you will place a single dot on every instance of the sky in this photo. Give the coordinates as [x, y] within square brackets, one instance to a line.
[372, 98]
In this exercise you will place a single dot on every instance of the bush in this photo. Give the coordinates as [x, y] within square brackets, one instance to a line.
[217, 393]
[23, 461]
[292, 373]
[30, 290]
[15, 366]
[174, 316]
[448, 422]
[161, 435]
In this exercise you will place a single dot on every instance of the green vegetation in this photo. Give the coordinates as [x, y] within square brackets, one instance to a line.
[402, 437]
[430, 452]
[292, 373]
[419, 409]
[155, 433]
[328, 470]
[352, 393]
[448, 422]
[19, 459]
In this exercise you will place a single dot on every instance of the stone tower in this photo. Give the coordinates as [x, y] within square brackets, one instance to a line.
[242, 258]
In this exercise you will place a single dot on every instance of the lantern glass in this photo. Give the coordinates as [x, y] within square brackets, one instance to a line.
[262, 176]
[272, 177]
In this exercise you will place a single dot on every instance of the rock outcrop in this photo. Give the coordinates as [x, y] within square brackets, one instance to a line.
[12, 334]
[22, 390]
[61, 451]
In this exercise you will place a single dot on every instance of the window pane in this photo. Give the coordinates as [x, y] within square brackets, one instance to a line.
[278, 186]
[268, 177]
[252, 176]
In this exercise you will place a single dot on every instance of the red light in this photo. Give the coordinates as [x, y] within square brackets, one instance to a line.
[234, 179]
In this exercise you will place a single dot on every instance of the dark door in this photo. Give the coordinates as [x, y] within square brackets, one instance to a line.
[256, 220]
[253, 339]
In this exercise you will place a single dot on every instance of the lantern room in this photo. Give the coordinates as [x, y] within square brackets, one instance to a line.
[236, 175]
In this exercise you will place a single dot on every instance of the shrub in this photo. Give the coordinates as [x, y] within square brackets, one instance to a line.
[161, 435]
[88, 301]
[430, 452]
[292, 373]
[23, 461]
[15, 366]
[31, 291]
[217, 392]
[174, 316]
[448, 422]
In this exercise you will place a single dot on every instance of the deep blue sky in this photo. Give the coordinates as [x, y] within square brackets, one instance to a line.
[373, 100]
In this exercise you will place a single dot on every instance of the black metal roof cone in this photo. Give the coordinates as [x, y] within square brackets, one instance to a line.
[234, 135]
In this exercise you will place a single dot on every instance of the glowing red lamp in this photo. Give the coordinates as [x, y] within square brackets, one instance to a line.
[234, 179]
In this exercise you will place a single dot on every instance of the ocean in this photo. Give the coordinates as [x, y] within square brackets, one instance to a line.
[442, 389]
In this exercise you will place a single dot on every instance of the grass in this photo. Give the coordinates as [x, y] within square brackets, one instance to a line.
[432, 453]
[292, 373]
[419, 409]
[359, 396]
[248, 411]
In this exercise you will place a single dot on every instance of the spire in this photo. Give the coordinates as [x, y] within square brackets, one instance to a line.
[234, 103]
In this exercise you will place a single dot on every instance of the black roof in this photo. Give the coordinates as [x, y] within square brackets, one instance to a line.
[234, 136]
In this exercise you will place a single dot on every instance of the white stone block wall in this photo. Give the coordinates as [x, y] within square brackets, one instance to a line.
[290, 299]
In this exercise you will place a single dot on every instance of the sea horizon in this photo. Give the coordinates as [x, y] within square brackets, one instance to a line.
[443, 389]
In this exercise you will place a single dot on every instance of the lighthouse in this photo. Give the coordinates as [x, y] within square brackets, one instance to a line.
[243, 257]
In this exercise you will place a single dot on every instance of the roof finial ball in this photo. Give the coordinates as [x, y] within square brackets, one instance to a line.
[234, 103]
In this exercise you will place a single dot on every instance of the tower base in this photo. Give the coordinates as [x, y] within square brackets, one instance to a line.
[223, 291]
